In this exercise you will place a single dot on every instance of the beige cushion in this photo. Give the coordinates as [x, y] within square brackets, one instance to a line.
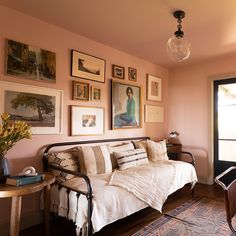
[94, 160]
[67, 160]
[140, 144]
[119, 148]
[131, 158]
[157, 150]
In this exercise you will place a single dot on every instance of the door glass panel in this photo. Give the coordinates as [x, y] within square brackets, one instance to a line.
[227, 122]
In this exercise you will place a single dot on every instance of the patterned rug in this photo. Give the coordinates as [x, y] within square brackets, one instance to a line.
[199, 216]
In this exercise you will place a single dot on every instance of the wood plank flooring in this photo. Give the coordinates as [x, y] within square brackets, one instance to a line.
[131, 224]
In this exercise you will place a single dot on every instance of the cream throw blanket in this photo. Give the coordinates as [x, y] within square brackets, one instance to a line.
[150, 183]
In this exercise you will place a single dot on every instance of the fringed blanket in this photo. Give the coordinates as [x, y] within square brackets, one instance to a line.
[150, 183]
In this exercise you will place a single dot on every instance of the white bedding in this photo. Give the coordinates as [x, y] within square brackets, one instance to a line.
[111, 203]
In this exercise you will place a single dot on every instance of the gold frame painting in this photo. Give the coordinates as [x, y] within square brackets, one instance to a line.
[80, 91]
[154, 88]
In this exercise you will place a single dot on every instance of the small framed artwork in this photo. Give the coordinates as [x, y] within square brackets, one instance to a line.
[40, 107]
[87, 120]
[118, 72]
[80, 91]
[132, 74]
[154, 88]
[87, 66]
[126, 105]
[30, 62]
[154, 114]
[96, 93]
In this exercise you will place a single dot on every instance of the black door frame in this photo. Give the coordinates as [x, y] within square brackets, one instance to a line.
[219, 166]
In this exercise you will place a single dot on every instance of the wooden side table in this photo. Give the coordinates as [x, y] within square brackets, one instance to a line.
[16, 194]
[171, 148]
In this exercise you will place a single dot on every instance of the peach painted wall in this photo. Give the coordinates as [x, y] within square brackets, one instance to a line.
[190, 109]
[23, 28]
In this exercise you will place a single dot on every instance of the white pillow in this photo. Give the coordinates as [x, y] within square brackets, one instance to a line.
[94, 160]
[131, 158]
[157, 150]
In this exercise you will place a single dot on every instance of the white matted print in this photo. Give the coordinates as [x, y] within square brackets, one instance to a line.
[154, 114]
[40, 107]
[154, 88]
[87, 120]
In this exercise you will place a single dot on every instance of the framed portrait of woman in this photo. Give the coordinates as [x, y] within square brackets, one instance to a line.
[126, 105]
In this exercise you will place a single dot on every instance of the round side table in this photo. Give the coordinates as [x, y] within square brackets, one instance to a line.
[16, 194]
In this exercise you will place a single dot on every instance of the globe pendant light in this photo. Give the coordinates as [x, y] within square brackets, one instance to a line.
[178, 48]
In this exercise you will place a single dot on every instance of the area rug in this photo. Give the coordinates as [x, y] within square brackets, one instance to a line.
[199, 216]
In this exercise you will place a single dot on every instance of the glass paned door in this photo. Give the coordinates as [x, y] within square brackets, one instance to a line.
[224, 124]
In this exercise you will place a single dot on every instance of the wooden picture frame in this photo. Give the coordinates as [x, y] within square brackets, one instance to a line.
[87, 120]
[132, 74]
[118, 72]
[96, 93]
[80, 91]
[126, 105]
[40, 107]
[30, 62]
[154, 114]
[154, 88]
[87, 66]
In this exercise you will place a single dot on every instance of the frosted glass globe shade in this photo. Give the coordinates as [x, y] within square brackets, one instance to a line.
[178, 48]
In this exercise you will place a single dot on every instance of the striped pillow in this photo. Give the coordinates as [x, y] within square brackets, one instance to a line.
[94, 160]
[131, 158]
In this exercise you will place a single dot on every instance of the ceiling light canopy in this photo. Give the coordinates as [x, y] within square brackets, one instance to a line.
[178, 48]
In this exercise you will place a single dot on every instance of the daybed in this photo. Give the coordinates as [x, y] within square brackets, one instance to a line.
[101, 181]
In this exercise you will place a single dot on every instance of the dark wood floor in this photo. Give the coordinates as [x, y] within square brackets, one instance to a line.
[133, 223]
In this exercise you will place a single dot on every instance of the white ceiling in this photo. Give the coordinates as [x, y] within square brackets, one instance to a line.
[142, 27]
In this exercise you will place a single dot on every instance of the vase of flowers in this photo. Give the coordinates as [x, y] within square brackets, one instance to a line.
[10, 133]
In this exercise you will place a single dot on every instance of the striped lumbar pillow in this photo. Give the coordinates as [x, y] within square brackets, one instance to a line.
[131, 158]
[94, 160]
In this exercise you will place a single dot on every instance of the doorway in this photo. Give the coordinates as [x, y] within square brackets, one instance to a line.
[224, 124]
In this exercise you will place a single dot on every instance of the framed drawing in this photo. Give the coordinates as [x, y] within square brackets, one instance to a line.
[80, 91]
[30, 62]
[154, 114]
[118, 72]
[87, 66]
[87, 120]
[40, 107]
[154, 88]
[96, 93]
[126, 105]
[132, 74]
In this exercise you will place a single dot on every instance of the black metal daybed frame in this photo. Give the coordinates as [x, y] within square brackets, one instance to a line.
[89, 193]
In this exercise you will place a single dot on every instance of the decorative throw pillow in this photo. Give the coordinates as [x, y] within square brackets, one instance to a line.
[94, 160]
[67, 160]
[157, 150]
[119, 148]
[140, 144]
[131, 158]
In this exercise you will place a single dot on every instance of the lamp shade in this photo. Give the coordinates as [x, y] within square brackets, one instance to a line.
[178, 48]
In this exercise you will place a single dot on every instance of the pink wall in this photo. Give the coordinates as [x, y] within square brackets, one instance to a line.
[26, 29]
[190, 109]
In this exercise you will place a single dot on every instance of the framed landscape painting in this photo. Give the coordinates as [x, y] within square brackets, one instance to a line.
[126, 105]
[87, 120]
[87, 66]
[39, 107]
[29, 62]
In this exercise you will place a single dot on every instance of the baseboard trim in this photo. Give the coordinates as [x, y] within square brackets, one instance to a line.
[27, 220]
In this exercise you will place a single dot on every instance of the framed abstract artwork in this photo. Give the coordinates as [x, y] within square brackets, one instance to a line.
[154, 88]
[80, 91]
[118, 72]
[154, 114]
[87, 66]
[126, 105]
[87, 120]
[40, 107]
[29, 62]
